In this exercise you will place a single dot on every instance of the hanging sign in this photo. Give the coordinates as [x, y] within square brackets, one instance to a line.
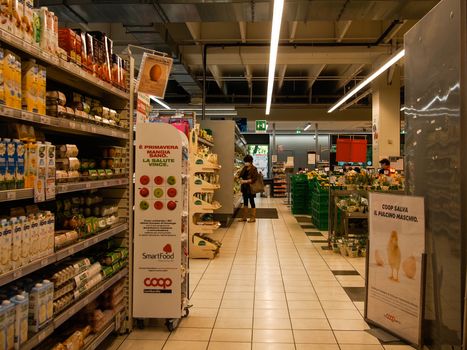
[311, 158]
[154, 75]
[395, 264]
[157, 225]
[261, 126]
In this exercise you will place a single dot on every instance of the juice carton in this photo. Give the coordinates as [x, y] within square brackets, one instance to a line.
[50, 172]
[21, 302]
[28, 21]
[2, 82]
[39, 181]
[44, 28]
[3, 164]
[16, 233]
[50, 217]
[9, 324]
[10, 164]
[18, 83]
[30, 77]
[17, 7]
[37, 314]
[9, 76]
[5, 245]
[20, 163]
[49, 298]
[2, 327]
[41, 90]
[34, 237]
[25, 240]
[31, 164]
[42, 234]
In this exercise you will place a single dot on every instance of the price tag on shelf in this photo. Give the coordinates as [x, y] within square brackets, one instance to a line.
[86, 244]
[83, 127]
[18, 273]
[88, 185]
[71, 250]
[42, 335]
[11, 195]
[113, 133]
[73, 125]
[93, 129]
[105, 184]
[44, 262]
[44, 119]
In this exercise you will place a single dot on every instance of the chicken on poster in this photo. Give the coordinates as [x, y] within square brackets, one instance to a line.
[154, 75]
[394, 276]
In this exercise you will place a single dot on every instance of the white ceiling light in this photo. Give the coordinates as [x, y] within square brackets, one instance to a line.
[307, 127]
[275, 33]
[166, 106]
[396, 57]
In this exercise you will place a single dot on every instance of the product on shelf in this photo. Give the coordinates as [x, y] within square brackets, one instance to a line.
[33, 87]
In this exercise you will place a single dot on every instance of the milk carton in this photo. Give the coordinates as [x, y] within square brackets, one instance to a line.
[42, 234]
[3, 164]
[37, 314]
[29, 79]
[49, 298]
[50, 232]
[31, 164]
[39, 181]
[10, 164]
[5, 245]
[9, 69]
[18, 82]
[21, 302]
[41, 90]
[25, 240]
[50, 172]
[2, 82]
[9, 324]
[2, 328]
[16, 229]
[34, 237]
[20, 164]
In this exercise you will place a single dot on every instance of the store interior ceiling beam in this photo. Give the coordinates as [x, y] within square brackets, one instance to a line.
[281, 75]
[395, 30]
[356, 99]
[292, 30]
[350, 73]
[249, 76]
[341, 28]
[313, 73]
[195, 30]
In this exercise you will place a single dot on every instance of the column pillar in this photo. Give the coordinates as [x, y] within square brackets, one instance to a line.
[386, 115]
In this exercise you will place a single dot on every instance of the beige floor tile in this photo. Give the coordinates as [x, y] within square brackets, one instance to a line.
[312, 313]
[235, 313]
[317, 347]
[337, 305]
[314, 337]
[238, 296]
[310, 323]
[272, 336]
[228, 346]
[142, 345]
[270, 304]
[190, 334]
[228, 322]
[203, 312]
[355, 337]
[149, 334]
[343, 314]
[271, 323]
[398, 347]
[200, 302]
[301, 296]
[348, 325]
[304, 304]
[361, 347]
[184, 345]
[230, 334]
[197, 322]
[273, 346]
[237, 303]
[271, 313]
[270, 296]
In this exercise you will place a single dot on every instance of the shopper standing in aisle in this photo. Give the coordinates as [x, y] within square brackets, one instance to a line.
[248, 175]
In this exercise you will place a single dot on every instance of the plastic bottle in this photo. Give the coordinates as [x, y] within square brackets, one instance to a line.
[21, 303]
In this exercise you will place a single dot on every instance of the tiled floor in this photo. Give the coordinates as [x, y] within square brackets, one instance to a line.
[270, 288]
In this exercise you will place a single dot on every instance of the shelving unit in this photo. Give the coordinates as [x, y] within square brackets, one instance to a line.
[231, 147]
[279, 180]
[116, 188]
[202, 245]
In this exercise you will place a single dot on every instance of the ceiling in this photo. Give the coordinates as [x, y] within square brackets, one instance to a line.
[326, 46]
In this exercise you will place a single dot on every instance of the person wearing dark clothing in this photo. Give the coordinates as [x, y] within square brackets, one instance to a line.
[248, 175]
[385, 166]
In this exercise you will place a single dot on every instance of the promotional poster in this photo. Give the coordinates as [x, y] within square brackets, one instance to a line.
[394, 276]
[154, 75]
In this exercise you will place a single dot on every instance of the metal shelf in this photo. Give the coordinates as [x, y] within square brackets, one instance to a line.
[100, 337]
[63, 71]
[59, 255]
[73, 310]
[63, 124]
[89, 185]
[28, 193]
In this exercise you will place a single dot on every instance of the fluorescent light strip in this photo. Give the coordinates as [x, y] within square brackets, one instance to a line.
[166, 106]
[307, 127]
[275, 33]
[396, 57]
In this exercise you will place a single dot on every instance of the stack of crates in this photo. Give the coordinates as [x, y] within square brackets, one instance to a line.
[320, 207]
[299, 187]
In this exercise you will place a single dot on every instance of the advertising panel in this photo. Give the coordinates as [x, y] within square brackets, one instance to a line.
[154, 75]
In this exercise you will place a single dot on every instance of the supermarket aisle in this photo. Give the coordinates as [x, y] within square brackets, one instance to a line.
[272, 287]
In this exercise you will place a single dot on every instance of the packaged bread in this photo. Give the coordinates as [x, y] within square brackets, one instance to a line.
[66, 151]
[57, 97]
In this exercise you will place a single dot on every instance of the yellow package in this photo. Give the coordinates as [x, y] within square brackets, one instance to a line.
[9, 76]
[17, 7]
[27, 21]
[2, 82]
[30, 77]
[41, 90]
[18, 82]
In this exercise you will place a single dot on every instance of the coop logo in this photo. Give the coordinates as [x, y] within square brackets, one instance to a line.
[157, 285]
[391, 318]
[166, 254]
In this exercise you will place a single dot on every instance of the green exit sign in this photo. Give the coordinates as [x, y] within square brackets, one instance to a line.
[261, 126]
[298, 131]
